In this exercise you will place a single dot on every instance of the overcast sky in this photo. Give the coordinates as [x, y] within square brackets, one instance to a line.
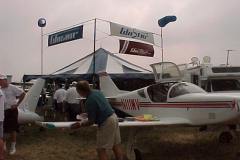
[203, 28]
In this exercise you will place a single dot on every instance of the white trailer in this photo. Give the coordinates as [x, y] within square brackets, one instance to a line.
[221, 78]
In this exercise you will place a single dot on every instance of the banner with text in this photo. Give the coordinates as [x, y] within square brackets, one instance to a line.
[136, 48]
[65, 36]
[123, 31]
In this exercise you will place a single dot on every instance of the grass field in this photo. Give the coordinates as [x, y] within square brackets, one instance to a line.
[161, 143]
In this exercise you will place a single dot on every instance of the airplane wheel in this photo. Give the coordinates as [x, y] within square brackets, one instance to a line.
[238, 156]
[42, 129]
[225, 137]
[21, 128]
[137, 154]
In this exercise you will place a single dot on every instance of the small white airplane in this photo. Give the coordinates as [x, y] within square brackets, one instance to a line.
[172, 103]
[26, 109]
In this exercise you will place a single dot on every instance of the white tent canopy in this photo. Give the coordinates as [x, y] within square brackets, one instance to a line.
[102, 60]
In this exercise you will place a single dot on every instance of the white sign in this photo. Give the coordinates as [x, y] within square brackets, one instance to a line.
[123, 31]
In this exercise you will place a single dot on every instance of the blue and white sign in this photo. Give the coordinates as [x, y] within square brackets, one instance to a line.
[65, 36]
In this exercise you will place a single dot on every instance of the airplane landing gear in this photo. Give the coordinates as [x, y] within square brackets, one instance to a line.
[138, 155]
[132, 152]
[225, 137]
[21, 128]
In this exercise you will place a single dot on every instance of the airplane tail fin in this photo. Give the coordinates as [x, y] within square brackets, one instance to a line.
[31, 99]
[107, 85]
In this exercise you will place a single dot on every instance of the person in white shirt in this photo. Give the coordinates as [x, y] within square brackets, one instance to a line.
[2, 103]
[10, 123]
[58, 101]
[73, 105]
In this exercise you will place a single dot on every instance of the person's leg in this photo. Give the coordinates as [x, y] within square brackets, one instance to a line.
[13, 139]
[103, 140]
[1, 149]
[14, 128]
[13, 136]
[117, 140]
[4, 141]
[76, 111]
[102, 155]
[5, 128]
[70, 113]
[65, 119]
[1, 141]
[108, 136]
[118, 152]
[13, 142]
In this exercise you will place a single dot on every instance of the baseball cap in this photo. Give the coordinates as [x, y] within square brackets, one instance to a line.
[74, 83]
[3, 76]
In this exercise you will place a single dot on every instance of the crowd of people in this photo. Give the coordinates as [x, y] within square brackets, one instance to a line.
[67, 104]
[80, 99]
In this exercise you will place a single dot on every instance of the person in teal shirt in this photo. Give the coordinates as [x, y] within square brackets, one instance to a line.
[98, 107]
[99, 111]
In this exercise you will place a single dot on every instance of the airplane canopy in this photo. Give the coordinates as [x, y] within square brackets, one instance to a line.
[166, 72]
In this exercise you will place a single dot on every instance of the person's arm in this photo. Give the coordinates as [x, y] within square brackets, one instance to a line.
[80, 124]
[82, 106]
[83, 115]
[21, 97]
[87, 123]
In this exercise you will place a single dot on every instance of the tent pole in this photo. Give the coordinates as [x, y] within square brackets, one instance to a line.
[41, 50]
[162, 44]
[94, 48]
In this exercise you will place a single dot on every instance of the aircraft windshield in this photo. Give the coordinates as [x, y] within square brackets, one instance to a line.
[166, 72]
[158, 92]
[184, 88]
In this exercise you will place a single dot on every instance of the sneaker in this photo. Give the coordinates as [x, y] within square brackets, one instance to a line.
[13, 151]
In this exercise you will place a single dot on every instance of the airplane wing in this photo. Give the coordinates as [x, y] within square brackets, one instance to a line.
[161, 122]
[53, 125]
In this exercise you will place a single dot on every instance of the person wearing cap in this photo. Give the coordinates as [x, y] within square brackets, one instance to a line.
[2, 103]
[71, 102]
[10, 123]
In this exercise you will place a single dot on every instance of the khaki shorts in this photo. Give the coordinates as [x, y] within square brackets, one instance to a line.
[108, 133]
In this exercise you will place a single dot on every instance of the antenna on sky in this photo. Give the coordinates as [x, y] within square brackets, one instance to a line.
[228, 53]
